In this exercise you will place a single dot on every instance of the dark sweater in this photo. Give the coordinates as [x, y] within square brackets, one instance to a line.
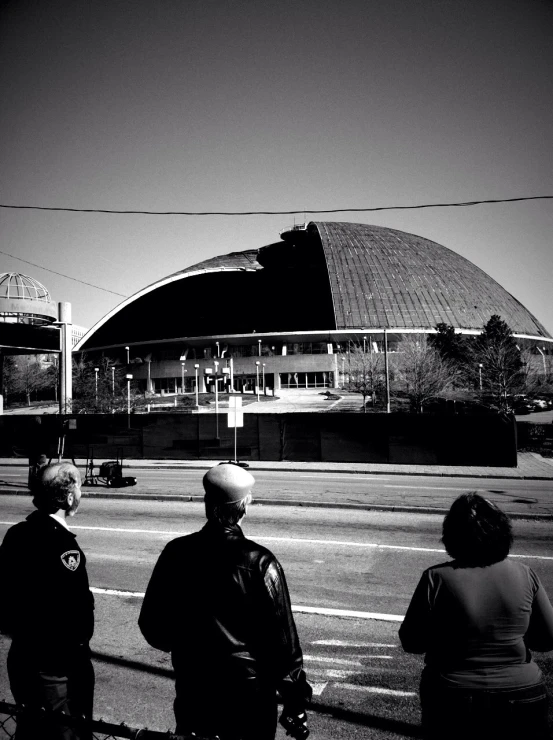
[478, 624]
[46, 597]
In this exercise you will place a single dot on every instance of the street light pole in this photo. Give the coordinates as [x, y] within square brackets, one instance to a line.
[128, 355]
[259, 347]
[129, 378]
[112, 380]
[216, 400]
[364, 345]
[386, 372]
[182, 380]
[96, 370]
[263, 367]
[257, 378]
[196, 369]
[480, 376]
[543, 360]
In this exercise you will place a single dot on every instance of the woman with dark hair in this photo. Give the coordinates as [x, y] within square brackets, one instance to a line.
[476, 618]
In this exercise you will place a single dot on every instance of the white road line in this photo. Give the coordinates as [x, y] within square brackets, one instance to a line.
[373, 689]
[348, 476]
[114, 592]
[424, 488]
[347, 613]
[297, 609]
[318, 688]
[334, 661]
[347, 643]
[344, 661]
[293, 540]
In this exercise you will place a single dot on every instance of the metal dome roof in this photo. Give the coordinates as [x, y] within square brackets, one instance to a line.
[14, 285]
[384, 278]
[322, 276]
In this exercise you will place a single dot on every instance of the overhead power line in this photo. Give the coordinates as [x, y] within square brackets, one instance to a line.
[277, 213]
[41, 267]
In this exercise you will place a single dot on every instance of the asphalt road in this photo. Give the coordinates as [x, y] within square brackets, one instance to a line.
[514, 495]
[350, 573]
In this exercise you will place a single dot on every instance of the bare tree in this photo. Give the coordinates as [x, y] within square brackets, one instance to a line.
[363, 373]
[103, 391]
[422, 371]
[496, 351]
[24, 375]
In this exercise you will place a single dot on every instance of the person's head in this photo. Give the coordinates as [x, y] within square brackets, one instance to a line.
[58, 489]
[476, 532]
[227, 493]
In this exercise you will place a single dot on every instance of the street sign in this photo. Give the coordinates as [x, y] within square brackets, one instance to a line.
[235, 413]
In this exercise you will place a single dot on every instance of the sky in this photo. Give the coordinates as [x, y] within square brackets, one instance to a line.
[245, 105]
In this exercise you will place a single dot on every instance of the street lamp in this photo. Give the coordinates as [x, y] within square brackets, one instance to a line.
[263, 367]
[257, 378]
[96, 370]
[196, 369]
[182, 381]
[218, 349]
[129, 378]
[259, 347]
[480, 375]
[543, 360]
[112, 380]
[128, 355]
[364, 345]
[216, 364]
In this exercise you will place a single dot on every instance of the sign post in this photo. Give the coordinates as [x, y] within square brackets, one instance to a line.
[235, 417]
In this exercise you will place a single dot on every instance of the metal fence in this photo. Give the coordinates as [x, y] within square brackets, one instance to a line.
[96, 729]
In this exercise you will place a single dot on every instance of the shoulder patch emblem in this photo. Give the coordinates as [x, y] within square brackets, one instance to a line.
[71, 559]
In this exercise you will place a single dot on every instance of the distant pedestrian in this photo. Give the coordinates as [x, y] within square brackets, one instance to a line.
[476, 618]
[47, 609]
[219, 603]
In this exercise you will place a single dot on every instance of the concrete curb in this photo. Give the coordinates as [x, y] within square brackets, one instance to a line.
[116, 495]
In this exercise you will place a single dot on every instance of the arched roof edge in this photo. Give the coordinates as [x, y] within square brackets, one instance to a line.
[148, 289]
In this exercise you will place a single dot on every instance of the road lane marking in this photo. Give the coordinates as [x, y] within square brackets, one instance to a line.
[334, 673]
[343, 661]
[347, 613]
[115, 592]
[293, 540]
[318, 688]
[296, 609]
[374, 689]
[347, 643]
[349, 476]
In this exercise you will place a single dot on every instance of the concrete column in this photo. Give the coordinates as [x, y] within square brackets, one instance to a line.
[66, 358]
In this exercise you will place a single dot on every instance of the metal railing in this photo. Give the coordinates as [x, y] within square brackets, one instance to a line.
[96, 729]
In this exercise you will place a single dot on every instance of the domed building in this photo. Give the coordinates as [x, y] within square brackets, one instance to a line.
[286, 310]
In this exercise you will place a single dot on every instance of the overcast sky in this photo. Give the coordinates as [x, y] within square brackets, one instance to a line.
[232, 105]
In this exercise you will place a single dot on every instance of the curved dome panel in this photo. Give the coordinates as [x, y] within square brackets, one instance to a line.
[384, 278]
[321, 277]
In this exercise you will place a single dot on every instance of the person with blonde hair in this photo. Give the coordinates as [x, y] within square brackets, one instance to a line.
[476, 618]
[48, 610]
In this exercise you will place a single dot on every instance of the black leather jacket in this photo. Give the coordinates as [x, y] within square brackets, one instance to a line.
[220, 604]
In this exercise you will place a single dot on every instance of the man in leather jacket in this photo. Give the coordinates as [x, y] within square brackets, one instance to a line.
[218, 602]
[48, 610]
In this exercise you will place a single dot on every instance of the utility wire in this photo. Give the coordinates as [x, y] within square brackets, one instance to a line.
[91, 285]
[278, 213]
